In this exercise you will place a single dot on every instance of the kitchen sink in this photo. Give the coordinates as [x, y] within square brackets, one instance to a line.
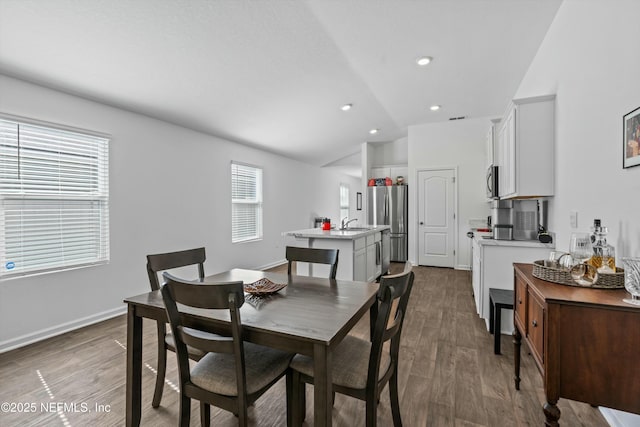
[357, 229]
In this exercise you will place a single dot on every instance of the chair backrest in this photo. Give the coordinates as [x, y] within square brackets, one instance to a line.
[207, 295]
[393, 298]
[160, 262]
[315, 256]
[394, 306]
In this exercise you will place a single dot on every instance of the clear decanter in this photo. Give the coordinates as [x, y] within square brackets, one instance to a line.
[604, 255]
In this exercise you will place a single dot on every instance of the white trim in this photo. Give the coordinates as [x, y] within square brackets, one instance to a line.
[43, 123]
[60, 329]
[272, 265]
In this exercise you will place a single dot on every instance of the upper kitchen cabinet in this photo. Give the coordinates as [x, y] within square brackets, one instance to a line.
[392, 172]
[525, 148]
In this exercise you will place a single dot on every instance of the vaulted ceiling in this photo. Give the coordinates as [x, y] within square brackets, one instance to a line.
[274, 73]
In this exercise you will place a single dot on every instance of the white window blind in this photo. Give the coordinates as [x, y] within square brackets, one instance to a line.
[246, 201]
[344, 200]
[54, 198]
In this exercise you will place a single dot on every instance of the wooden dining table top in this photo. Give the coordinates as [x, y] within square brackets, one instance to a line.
[316, 310]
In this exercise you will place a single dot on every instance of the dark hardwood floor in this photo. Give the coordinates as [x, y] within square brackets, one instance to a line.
[449, 375]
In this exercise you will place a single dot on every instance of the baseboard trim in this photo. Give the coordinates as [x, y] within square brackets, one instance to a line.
[53, 331]
[272, 265]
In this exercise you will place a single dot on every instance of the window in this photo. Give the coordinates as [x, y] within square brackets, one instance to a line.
[54, 198]
[246, 202]
[344, 200]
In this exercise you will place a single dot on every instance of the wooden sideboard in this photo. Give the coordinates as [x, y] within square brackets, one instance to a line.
[585, 342]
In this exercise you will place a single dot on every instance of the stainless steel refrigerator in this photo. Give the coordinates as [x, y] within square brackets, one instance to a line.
[388, 206]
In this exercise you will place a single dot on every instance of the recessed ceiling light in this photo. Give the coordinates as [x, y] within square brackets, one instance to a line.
[374, 131]
[434, 107]
[346, 107]
[424, 60]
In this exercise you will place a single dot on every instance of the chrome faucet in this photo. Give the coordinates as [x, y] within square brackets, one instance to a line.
[345, 222]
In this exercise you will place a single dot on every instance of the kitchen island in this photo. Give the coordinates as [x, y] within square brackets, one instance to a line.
[363, 251]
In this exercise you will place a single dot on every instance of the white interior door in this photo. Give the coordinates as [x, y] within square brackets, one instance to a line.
[436, 217]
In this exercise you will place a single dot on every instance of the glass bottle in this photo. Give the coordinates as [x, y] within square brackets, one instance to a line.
[604, 255]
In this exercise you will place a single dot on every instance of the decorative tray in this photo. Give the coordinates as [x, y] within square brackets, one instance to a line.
[563, 276]
[263, 286]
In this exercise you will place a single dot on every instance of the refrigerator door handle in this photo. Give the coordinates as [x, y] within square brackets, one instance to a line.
[386, 206]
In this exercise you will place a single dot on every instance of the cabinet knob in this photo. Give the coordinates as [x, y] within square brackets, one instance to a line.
[519, 301]
[534, 323]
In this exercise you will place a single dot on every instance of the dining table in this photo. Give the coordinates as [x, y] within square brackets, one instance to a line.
[310, 316]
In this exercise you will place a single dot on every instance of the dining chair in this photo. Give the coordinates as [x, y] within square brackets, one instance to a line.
[156, 264]
[233, 374]
[362, 368]
[314, 256]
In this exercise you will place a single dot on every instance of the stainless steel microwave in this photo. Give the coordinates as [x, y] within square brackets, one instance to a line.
[492, 182]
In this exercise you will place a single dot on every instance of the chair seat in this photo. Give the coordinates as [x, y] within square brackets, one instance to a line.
[171, 343]
[350, 363]
[216, 372]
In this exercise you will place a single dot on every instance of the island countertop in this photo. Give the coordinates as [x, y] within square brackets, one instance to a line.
[348, 234]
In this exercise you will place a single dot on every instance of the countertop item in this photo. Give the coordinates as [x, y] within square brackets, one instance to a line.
[349, 234]
[479, 228]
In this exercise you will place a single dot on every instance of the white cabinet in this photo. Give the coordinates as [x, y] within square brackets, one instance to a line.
[493, 268]
[360, 259]
[392, 172]
[360, 265]
[475, 272]
[397, 171]
[380, 172]
[367, 258]
[525, 148]
[507, 152]
[371, 263]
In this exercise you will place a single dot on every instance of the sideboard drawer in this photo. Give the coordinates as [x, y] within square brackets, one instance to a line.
[535, 327]
[520, 303]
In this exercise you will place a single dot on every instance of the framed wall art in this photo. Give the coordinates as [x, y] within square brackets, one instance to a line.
[631, 139]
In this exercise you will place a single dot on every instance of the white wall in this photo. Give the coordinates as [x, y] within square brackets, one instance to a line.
[169, 190]
[393, 153]
[589, 58]
[586, 59]
[458, 144]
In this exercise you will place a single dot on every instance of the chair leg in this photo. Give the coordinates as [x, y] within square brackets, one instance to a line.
[205, 414]
[185, 411]
[372, 412]
[290, 398]
[243, 417]
[298, 400]
[302, 393]
[393, 396]
[161, 369]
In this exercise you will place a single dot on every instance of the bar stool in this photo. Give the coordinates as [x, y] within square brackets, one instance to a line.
[498, 299]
